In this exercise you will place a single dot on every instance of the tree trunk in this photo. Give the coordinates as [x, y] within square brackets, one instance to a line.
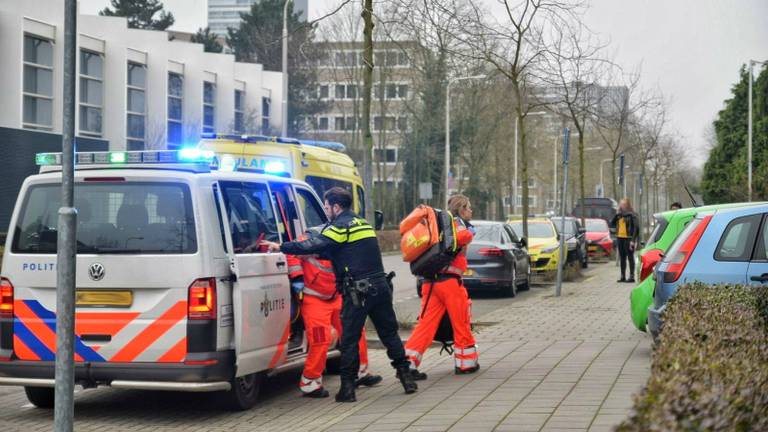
[367, 85]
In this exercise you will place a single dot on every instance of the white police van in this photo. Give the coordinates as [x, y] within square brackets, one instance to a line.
[173, 291]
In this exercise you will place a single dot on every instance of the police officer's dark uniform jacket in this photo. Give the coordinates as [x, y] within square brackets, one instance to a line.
[351, 245]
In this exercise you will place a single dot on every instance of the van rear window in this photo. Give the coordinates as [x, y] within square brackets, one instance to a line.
[113, 218]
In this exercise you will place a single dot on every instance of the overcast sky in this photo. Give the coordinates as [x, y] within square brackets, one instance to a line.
[690, 49]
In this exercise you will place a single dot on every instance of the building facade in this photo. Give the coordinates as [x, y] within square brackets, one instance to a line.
[135, 88]
[340, 79]
[223, 14]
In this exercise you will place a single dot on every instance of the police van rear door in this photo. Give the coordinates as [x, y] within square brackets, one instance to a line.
[261, 295]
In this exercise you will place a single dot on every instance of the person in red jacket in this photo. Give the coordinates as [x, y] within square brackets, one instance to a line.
[313, 280]
[447, 294]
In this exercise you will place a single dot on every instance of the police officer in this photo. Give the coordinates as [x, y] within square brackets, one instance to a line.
[351, 245]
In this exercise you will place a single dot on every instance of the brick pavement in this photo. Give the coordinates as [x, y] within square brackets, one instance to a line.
[569, 363]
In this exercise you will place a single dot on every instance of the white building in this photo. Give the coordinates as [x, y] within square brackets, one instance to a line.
[226, 13]
[135, 89]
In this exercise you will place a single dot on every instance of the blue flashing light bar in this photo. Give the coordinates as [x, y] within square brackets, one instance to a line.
[183, 156]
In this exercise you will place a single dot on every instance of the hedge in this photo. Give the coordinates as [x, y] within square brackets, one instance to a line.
[709, 371]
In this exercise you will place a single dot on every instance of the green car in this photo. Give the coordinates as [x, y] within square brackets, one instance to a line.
[668, 226]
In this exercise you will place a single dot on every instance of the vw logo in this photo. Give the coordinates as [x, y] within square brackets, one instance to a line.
[96, 271]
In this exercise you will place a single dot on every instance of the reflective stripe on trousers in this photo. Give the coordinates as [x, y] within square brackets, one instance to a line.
[465, 358]
[308, 385]
[414, 357]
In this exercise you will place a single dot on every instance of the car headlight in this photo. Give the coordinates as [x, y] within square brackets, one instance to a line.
[550, 249]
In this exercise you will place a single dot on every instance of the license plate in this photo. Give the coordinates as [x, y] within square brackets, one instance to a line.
[122, 298]
[593, 248]
[468, 272]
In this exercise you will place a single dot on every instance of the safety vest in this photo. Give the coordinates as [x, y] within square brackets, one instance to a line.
[319, 280]
[463, 237]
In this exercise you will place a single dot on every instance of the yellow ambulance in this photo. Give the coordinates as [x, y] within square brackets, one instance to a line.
[322, 164]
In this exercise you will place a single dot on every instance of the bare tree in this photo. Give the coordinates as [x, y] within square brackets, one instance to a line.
[573, 68]
[514, 45]
[616, 114]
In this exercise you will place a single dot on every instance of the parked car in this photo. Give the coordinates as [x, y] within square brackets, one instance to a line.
[600, 208]
[668, 225]
[599, 241]
[720, 246]
[497, 260]
[575, 240]
[543, 244]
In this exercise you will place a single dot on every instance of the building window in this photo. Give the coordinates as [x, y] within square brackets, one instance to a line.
[386, 155]
[350, 124]
[402, 124]
[323, 123]
[38, 83]
[324, 91]
[531, 200]
[352, 92]
[136, 111]
[239, 111]
[91, 93]
[340, 91]
[265, 106]
[209, 107]
[175, 109]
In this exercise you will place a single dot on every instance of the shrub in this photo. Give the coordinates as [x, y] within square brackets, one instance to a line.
[710, 369]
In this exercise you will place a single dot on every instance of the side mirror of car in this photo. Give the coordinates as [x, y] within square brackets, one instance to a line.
[523, 242]
[378, 220]
[642, 244]
[582, 230]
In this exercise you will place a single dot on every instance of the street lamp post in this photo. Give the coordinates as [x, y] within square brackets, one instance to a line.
[284, 130]
[517, 144]
[752, 63]
[446, 168]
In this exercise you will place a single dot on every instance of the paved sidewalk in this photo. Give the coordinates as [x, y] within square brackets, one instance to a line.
[569, 363]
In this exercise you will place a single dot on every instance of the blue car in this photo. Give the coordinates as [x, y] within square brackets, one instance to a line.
[722, 246]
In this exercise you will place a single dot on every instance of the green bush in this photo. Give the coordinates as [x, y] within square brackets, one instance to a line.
[710, 369]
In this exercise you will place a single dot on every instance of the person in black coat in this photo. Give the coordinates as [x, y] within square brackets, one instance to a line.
[627, 235]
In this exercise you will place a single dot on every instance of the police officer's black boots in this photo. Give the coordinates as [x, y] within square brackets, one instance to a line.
[415, 373]
[347, 391]
[368, 380]
[406, 379]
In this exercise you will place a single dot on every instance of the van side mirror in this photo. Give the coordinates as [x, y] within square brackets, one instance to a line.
[378, 220]
[523, 242]
[582, 230]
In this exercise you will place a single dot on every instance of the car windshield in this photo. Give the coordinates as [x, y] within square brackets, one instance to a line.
[535, 229]
[569, 228]
[596, 225]
[112, 218]
[488, 232]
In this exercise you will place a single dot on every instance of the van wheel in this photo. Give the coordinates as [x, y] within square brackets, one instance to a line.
[41, 397]
[244, 392]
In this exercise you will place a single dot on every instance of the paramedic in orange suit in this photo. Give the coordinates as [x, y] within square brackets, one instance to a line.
[313, 279]
[447, 293]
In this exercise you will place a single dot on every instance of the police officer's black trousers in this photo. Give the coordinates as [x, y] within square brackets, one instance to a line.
[378, 306]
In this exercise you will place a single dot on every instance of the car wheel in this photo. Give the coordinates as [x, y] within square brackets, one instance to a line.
[41, 397]
[244, 392]
[511, 289]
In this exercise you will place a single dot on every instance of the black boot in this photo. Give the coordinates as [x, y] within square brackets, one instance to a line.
[368, 380]
[417, 376]
[406, 379]
[347, 391]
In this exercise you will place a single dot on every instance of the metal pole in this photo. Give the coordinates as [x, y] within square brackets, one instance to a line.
[561, 263]
[64, 393]
[554, 176]
[447, 162]
[284, 130]
[514, 180]
[749, 132]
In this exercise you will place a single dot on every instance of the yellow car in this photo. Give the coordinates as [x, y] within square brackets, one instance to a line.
[543, 244]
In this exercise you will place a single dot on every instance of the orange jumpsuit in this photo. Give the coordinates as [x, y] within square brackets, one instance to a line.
[321, 312]
[447, 294]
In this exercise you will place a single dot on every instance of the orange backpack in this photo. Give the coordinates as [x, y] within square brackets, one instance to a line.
[419, 231]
